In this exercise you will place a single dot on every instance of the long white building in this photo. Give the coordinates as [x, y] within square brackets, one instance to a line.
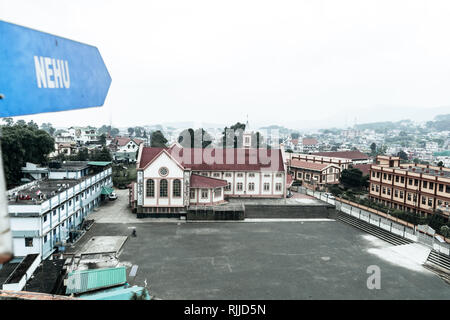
[48, 212]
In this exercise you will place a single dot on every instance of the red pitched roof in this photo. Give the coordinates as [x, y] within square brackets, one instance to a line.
[121, 141]
[198, 181]
[353, 155]
[308, 165]
[241, 159]
[309, 141]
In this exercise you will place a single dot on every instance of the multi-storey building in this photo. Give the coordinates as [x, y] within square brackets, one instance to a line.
[422, 189]
[342, 163]
[356, 156]
[314, 175]
[169, 180]
[47, 212]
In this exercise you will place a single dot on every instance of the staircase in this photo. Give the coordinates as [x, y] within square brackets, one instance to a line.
[373, 230]
[440, 264]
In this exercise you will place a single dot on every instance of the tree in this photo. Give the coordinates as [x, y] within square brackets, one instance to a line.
[402, 155]
[190, 139]
[130, 131]
[47, 127]
[353, 178]
[373, 148]
[23, 143]
[440, 164]
[103, 139]
[9, 121]
[157, 139]
[101, 155]
[233, 135]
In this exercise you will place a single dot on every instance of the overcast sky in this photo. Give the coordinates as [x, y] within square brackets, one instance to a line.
[300, 64]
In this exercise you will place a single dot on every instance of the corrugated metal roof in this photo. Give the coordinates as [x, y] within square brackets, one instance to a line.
[88, 280]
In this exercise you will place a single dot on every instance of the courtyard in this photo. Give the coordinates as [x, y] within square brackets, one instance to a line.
[302, 259]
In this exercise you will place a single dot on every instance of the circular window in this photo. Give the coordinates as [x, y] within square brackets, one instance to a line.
[163, 171]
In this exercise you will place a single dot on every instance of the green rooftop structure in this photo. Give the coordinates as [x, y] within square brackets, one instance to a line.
[107, 190]
[90, 280]
[99, 163]
[118, 293]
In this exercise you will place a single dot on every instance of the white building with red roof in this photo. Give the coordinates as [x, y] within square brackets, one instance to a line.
[314, 175]
[169, 180]
[123, 148]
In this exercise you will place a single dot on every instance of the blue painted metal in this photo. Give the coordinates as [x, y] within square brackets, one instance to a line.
[40, 72]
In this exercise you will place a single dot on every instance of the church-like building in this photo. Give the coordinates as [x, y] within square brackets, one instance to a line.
[170, 180]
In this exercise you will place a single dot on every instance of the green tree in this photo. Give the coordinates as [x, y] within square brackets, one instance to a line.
[47, 127]
[233, 135]
[157, 139]
[440, 164]
[103, 139]
[23, 143]
[130, 131]
[403, 155]
[101, 155]
[373, 148]
[353, 178]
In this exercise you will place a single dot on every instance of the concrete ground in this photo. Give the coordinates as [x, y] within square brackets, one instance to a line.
[267, 260]
[260, 259]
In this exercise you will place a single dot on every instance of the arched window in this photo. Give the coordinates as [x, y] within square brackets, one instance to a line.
[163, 188]
[150, 188]
[177, 188]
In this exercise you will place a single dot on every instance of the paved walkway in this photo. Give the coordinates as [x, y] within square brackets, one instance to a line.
[118, 211]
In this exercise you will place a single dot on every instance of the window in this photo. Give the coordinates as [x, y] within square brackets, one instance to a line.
[424, 200]
[299, 175]
[401, 194]
[239, 186]
[228, 187]
[45, 238]
[441, 187]
[389, 191]
[410, 182]
[62, 207]
[416, 182]
[28, 242]
[251, 175]
[177, 188]
[204, 193]
[45, 217]
[278, 187]
[397, 178]
[431, 186]
[384, 176]
[163, 188]
[266, 186]
[373, 188]
[217, 192]
[150, 188]
[251, 186]
[192, 193]
[239, 175]
[447, 188]
[425, 184]
[227, 174]
[54, 212]
[402, 180]
[216, 174]
[389, 177]
[267, 175]
[70, 202]
[430, 202]
[384, 190]
[396, 193]
[279, 175]
[163, 171]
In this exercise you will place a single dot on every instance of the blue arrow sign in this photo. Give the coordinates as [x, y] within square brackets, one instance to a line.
[40, 72]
